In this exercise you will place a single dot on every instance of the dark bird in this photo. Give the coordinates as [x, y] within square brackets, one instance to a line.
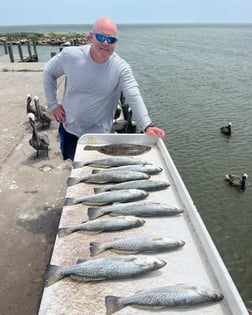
[226, 130]
[123, 124]
[42, 114]
[118, 112]
[29, 107]
[237, 181]
[39, 142]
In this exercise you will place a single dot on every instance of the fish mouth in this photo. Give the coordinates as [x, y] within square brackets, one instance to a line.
[218, 296]
[159, 264]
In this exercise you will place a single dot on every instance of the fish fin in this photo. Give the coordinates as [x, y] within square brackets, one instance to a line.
[85, 278]
[186, 286]
[52, 275]
[94, 232]
[112, 305]
[98, 190]
[147, 307]
[77, 164]
[72, 181]
[95, 248]
[157, 238]
[94, 213]
[130, 258]
[139, 291]
[96, 171]
[69, 202]
[124, 252]
[180, 210]
[81, 260]
[64, 231]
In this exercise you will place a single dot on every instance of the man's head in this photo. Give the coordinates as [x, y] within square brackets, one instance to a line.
[103, 39]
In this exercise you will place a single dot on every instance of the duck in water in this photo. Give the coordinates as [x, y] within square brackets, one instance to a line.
[237, 181]
[226, 130]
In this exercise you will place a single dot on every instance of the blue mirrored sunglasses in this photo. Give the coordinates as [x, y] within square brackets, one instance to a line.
[101, 38]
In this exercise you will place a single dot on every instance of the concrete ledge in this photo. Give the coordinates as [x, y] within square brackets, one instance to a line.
[6, 65]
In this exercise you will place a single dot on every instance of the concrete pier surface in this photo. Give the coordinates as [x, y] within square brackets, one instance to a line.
[32, 191]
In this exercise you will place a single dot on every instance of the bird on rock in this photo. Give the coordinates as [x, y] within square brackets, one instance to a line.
[226, 130]
[237, 181]
[40, 142]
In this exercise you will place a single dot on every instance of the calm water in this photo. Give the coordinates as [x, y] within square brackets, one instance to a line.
[194, 79]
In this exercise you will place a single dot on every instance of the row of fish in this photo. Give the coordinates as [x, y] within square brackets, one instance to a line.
[127, 216]
[130, 183]
[121, 267]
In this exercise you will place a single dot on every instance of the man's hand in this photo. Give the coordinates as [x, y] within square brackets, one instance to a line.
[155, 131]
[59, 114]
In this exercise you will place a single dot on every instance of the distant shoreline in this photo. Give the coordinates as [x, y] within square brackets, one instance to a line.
[51, 39]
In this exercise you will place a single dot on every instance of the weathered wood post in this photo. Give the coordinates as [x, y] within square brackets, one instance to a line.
[35, 48]
[11, 53]
[76, 42]
[20, 52]
[5, 48]
[29, 50]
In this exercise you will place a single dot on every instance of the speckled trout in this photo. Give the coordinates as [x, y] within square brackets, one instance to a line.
[138, 244]
[108, 268]
[108, 197]
[109, 162]
[164, 297]
[141, 209]
[103, 225]
[147, 169]
[143, 184]
[107, 177]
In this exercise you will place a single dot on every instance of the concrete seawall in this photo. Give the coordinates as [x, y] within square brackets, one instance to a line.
[32, 191]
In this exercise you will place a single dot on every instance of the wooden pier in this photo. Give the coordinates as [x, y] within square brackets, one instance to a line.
[31, 57]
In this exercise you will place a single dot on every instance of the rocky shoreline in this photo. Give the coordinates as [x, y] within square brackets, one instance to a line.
[45, 39]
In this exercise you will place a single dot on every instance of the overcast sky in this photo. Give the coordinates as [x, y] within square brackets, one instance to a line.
[27, 12]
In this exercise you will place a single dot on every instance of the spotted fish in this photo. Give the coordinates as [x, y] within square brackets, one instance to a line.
[108, 177]
[137, 244]
[108, 197]
[108, 268]
[164, 297]
[103, 225]
[141, 209]
[109, 162]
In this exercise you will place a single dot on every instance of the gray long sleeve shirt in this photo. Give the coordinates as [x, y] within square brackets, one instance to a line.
[92, 90]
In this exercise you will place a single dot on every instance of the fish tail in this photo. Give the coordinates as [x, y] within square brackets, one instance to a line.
[77, 164]
[95, 248]
[64, 231]
[72, 181]
[112, 305]
[69, 202]
[98, 190]
[52, 275]
[94, 213]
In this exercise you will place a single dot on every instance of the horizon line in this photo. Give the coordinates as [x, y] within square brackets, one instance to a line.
[131, 23]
